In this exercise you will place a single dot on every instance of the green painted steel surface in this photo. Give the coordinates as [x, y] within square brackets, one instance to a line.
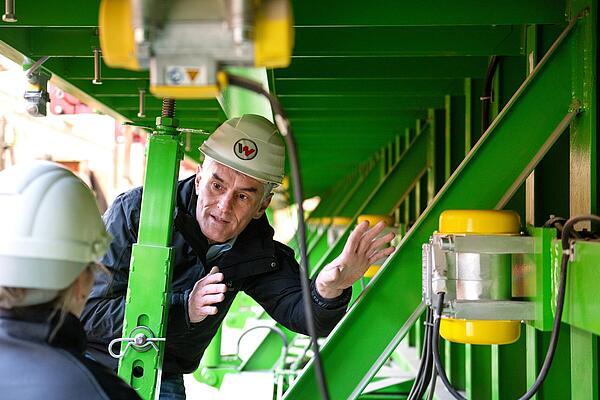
[547, 91]
[151, 261]
[385, 197]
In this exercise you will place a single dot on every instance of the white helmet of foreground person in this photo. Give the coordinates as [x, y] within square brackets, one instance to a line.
[249, 144]
[50, 229]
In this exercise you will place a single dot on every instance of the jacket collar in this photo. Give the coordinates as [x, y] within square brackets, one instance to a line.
[39, 324]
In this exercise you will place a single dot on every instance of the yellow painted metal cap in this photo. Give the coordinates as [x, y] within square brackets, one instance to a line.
[374, 219]
[341, 221]
[480, 222]
[371, 271]
[116, 34]
[480, 331]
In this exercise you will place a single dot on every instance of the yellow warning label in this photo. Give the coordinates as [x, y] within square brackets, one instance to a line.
[192, 73]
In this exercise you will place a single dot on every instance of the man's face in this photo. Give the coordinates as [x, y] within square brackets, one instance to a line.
[227, 201]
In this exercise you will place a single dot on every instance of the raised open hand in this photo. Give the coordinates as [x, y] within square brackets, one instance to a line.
[362, 249]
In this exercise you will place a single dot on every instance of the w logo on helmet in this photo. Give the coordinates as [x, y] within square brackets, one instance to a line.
[245, 149]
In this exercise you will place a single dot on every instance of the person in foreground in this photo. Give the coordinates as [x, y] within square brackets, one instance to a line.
[51, 235]
[223, 245]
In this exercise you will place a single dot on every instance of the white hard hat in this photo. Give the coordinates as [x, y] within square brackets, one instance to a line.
[249, 144]
[51, 228]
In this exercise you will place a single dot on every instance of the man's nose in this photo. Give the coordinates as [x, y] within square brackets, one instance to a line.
[226, 202]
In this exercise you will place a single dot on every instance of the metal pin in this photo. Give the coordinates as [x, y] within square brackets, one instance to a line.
[97, 79]
[9, 11]
[142, 108]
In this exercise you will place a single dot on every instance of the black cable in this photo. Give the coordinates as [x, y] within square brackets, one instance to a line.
[560, 302]
[435, 348]
[432, 385]
[285, 129]
[486, 98]
[419, 385]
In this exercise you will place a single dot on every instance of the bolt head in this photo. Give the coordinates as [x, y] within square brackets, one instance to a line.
[9, 18]
[139, 339]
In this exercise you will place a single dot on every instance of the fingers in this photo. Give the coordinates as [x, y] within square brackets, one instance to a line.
[381, 254]
[379, 242]
[208, 310]
[214, 288]
[356, 235]
[368, 236]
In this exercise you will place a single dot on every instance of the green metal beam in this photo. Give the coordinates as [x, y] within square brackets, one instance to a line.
[407, 41]
[381, 103]
[427, 13]
[547, 91]
[384, 67]
[369, 86]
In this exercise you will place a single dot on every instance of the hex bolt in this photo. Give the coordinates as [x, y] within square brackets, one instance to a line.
[9, 11]
[97, 79]
[142, 103]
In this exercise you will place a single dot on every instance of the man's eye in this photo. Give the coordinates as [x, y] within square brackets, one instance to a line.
[216, 186]
[243, 197]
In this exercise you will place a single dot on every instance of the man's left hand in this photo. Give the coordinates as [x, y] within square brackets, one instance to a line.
[362, 249]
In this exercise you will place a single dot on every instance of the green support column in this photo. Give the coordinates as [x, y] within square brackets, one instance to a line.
[407, 213]
[147, 300]
[417, 189]
[468, 110]
[372, 329]
[583, 197]
[431, 155]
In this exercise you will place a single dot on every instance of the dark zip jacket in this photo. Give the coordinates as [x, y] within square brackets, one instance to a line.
[38, 363]
[258, 265]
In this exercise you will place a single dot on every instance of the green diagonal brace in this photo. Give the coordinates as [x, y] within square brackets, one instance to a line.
[376, 324]
[388, 194]
[347, 208]
[147, 301]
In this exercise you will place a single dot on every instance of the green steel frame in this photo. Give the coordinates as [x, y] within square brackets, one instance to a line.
[151, 261]
[548, 91]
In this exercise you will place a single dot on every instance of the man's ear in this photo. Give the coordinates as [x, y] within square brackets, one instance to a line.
[265, 203]
[197, 179]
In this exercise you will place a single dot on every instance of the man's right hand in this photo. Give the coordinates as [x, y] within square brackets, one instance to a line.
[206, 292]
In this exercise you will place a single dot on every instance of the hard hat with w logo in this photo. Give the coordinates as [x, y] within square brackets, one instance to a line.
[249, 144]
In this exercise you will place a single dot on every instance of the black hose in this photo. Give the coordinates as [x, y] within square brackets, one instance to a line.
[486, 98]
[435, 348]
[432, 385]
[285, 129]
[423, 375]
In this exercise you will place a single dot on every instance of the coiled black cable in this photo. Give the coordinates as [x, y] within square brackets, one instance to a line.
[285, 128]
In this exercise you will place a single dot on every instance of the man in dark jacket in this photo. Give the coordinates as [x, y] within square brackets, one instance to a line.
[224, 244]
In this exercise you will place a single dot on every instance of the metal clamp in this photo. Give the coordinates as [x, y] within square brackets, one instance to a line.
[143, 339]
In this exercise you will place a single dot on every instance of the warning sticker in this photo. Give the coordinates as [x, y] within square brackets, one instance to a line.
[186, 76]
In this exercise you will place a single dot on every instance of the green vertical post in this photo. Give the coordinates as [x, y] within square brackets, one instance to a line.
[447, 136]
[407, 200]
[431, 155]
[147, 300]
[468, 117]
[418, 184]
[583, 180]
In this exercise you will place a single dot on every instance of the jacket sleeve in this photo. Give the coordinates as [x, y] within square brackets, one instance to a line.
[105, 308]
[280, 294]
